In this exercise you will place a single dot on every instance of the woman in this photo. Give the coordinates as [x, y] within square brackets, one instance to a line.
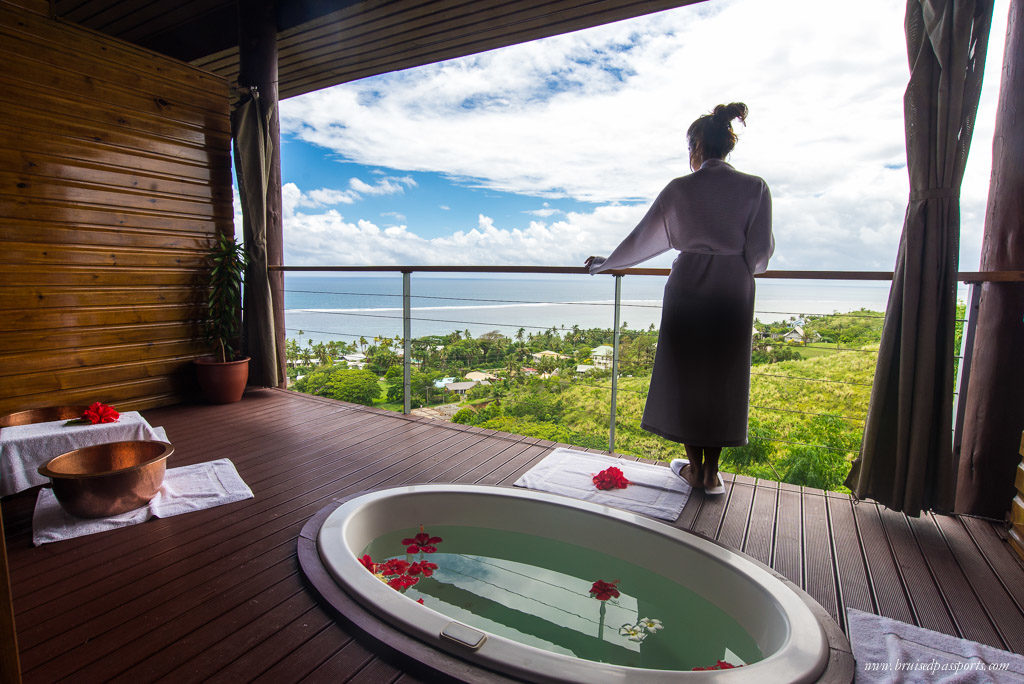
[720, 220]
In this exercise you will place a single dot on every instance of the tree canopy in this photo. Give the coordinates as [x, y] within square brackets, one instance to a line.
[339, 382]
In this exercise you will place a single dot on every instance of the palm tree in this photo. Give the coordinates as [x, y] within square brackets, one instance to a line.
[511, 365]
[520, 334]
[291, 350]
[362, 343]
[323, 357]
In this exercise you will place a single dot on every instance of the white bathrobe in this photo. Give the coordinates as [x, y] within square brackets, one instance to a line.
[720, 220]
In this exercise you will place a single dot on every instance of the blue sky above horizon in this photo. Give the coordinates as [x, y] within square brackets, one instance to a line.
[434, 202]
[546, 152]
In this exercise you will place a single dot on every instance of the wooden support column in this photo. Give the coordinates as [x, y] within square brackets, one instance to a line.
[257, 66]
[994, 414]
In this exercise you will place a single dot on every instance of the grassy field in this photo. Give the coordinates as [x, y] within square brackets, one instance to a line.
[813, 351]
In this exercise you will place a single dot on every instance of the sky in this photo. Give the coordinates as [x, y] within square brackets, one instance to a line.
[550, 151]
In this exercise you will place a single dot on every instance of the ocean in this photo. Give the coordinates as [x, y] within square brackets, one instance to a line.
[347, 307]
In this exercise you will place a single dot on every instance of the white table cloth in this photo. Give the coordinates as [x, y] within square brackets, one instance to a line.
[23, 448]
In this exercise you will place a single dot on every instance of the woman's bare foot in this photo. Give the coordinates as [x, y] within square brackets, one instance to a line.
[692, 476]
[710, 479]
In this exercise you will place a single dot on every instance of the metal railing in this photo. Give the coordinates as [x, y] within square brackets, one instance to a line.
[974, 279]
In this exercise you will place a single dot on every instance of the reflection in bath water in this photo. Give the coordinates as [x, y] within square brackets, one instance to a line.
[538, 592]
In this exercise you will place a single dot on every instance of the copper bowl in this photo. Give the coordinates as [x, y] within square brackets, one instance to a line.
[42, 415]
[108, 479]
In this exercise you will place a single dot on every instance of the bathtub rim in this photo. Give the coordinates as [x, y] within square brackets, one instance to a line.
[425, 657]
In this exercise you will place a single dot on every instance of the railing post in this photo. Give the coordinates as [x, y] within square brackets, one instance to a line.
[406, 342]
[963, 374]
[615, 362]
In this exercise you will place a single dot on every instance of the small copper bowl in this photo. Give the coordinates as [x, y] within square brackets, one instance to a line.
[42, 415]
[108, 479]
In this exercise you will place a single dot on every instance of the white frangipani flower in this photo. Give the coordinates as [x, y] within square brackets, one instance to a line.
[633, 632]
[650, 624]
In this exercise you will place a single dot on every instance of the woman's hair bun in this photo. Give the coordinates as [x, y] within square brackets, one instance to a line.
[726, 113]
[711, 136]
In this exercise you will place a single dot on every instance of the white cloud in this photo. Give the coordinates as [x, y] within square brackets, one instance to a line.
[326, 197]
[600, 116]
[545, 211]
[236, 208]
[385, 186]
[331, 238]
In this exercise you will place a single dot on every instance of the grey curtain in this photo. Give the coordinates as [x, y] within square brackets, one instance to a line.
[906, 458]
[252, 148]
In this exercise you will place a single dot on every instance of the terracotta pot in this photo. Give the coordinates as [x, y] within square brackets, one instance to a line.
[222, 382]
[108, 479]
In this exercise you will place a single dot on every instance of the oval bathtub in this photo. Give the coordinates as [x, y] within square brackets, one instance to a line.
[787, 632]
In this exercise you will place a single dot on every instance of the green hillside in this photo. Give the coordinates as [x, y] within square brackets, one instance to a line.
[806, 417]
[808, 396]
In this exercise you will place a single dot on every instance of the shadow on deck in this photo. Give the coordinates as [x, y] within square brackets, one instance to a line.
[217, 595]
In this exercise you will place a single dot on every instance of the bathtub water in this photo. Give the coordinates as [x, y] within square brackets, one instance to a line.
[536, 591]
[513, 589]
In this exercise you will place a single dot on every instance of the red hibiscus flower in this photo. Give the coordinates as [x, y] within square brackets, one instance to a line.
[100, 413]
[425, 567]
[422, 542]
[720, 665]
[395, 566]
[402, 582]
[603, 591]
[611, 478]
[398, 573]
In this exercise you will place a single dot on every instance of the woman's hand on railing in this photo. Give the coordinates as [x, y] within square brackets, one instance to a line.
[593, 262]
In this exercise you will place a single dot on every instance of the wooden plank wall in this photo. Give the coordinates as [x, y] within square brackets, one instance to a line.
[114, 175]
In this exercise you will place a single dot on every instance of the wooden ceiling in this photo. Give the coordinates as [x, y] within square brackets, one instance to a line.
[326, 42]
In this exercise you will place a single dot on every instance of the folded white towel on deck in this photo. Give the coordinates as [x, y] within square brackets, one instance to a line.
[892, 652]
[185, 489]
[654, 490]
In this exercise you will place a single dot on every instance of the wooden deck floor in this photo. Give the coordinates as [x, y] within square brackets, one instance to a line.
[217, 595]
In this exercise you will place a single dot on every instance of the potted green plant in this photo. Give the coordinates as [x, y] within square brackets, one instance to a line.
[222, 376]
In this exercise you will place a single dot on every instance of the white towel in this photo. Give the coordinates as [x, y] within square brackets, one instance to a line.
[185, 489]
[894, 652]
[23, 448]
[654, 490]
